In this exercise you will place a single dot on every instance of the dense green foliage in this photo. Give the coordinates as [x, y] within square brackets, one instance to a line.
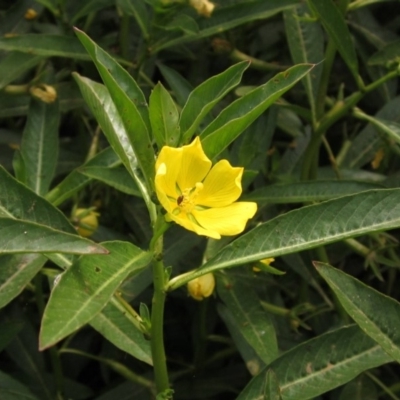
[90, 92]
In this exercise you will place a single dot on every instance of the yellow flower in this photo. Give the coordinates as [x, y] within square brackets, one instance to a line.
[200, 198]
[85, 221]
[202, 287]
[30, 14]
[203, 7]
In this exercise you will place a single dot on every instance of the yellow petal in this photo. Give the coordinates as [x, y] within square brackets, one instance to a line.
[167, 169]
[194, 165]
[183, 220]
[227, 221]
[222, 185]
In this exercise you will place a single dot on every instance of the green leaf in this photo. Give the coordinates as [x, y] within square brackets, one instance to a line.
[130, 103]
[388, 56]
[11, 389]
[88, 7]
[335, 25]
[235, 118]
[16, 272]
[181, 88]
[45, 45]
[92, 280]
[138, 9]
[361, 388]
[14, 64]
[224, 18]
[272, 390]
[254, 363]
[117, 178]
[116, 325]
[99, 101]
[320, 364]
[252, 321]
[302, 192]
[18, 236]
[164, 117]
[306, 45]
[39, 146]
[76, 180]
[389, 128]
[312, 226]
[202, 99]
[365, 305]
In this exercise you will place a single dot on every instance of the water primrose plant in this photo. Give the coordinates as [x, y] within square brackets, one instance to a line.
[199, 199]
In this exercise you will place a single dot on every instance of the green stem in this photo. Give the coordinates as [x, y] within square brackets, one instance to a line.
[157, 319]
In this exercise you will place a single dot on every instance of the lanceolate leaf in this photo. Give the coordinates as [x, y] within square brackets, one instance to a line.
[312, 226]
[45, 45]
[301, 192]
[18, 236]
[99, 101]
[116, 326]
[86, 287]
[130, 103]
[137, 8]
[202, 99]
[335, 25]
[319, 365]
[235, 118]
[252, 321]
[39, 146]
[376, 314]
[306, 45]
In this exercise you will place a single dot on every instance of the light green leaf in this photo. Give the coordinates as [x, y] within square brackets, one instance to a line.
[130, 103]
[14, 64]
[19, 236]
[164, 117]
[202, 99]
[16, 272]
[312, 226]
[117, 178]
[138, 9]
[99, 101]
[251, 320]
[92, 281]
[39, 146]
[235, 118]
[116, 326]
[76, 180]
[335, 25]
[45, 45]
[306, 45]
[302, 192]
[320, 364]
[272, 390]
[365, 306]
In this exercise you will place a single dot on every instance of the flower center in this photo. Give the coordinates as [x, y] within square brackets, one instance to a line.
[186, 201]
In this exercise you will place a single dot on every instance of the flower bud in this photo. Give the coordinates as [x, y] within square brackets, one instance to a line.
[30, 14]
[203, 7]
[43, 92]
[85, 221]
[201, 287]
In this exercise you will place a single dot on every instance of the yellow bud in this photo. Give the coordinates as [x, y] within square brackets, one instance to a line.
[44, 92]
[85, 221]
[203, 7]
[201, 287]
[266, 262]
[30, 14]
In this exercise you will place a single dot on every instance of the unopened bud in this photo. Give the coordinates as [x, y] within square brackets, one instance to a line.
[43, 92]
[30, 14]
[201, 287]
[85, 221]
[203, 7]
